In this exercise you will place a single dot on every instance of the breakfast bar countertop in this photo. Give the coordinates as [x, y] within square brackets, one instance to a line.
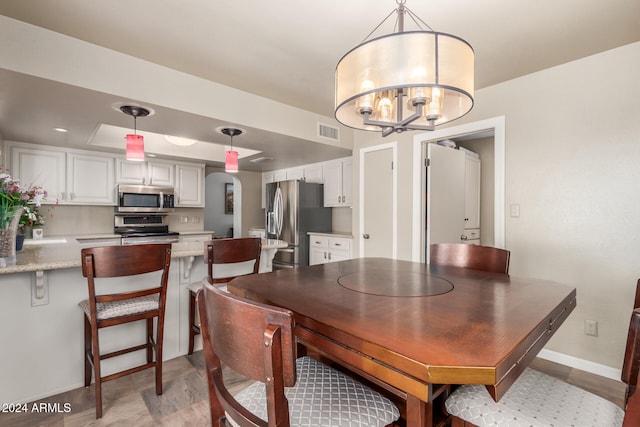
[58, 252]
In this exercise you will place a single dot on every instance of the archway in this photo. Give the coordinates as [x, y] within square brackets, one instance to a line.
[223, 204]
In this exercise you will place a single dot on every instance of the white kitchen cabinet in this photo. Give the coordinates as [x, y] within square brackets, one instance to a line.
[472, 193]
[325, 248]
[73, 177]
[145, 173]
[199, 237]
[90, 179]
[189, 189]
[295, 173]
[338, 182]
[38, 166]
[314, 173]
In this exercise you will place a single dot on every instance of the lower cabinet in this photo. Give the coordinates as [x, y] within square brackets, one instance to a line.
[325, 248]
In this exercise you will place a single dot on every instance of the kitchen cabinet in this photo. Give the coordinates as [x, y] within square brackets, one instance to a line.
[314, 173]
[338, 182]
[90, 179]
[69, 177]
[200, 237]
[189, 189]
[325, 248]
[35, 165]
[145, 173]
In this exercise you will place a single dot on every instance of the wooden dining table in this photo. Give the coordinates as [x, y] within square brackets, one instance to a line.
[411, 327]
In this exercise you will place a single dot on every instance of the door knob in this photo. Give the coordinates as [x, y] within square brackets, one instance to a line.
[365, 236]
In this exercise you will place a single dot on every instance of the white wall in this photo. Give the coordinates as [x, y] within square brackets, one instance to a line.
[572, 163]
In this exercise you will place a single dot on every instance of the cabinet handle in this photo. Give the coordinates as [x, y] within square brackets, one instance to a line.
[325, 255]
[337, 244]
[463, 237]
[365, 236]
[338, 199]
[329, 255]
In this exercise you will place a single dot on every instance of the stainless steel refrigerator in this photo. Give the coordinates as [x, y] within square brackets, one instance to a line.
[294, 208]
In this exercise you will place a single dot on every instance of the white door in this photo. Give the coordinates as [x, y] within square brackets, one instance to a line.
[378, 204]
[445, 194]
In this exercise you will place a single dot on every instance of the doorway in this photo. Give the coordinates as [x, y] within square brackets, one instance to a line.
[223, 205]
[378, 202]
[494, 126]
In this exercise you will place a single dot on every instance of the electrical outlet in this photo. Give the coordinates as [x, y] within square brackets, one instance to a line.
[515, 210]
[591, 327]
[184, 219]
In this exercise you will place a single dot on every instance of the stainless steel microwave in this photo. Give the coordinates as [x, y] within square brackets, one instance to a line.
[144, 198]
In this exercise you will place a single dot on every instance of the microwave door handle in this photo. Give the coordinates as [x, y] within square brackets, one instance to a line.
[161, 200]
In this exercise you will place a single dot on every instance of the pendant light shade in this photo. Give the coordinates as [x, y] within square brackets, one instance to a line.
[231, 161]
[231, 156]
[135, 147]
[135, 142]
[412, 80]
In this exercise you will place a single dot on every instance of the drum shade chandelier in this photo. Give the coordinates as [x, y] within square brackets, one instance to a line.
[135, 142]
[413, 80]
[231, 156]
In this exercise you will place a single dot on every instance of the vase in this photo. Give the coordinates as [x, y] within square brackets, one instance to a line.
[8, 238]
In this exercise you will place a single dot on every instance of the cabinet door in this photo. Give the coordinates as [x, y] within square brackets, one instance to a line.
[333, 184]
[472, 193]
[189, 185]
[90, 179]
[42, 167]
[314, 173]
[279, 175]
[130, 172]
[161, 174]
[347, 168]
[317, 256]
[295, 173]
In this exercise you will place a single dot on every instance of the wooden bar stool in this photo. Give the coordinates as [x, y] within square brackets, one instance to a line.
[138, 300]
[222, 251]
[475, 257]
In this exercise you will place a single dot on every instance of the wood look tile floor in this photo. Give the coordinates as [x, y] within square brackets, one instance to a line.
[131, 400]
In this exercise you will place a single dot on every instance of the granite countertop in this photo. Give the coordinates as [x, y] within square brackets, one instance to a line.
[58, 252]
[334, 234]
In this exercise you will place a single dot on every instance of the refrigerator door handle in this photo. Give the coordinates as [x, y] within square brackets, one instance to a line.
[278, 208]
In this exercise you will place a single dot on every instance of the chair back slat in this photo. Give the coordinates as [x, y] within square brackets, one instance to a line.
[476, 257]
[117, 261]
[231, 251]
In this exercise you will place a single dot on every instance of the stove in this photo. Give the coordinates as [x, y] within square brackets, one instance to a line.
[141, 229]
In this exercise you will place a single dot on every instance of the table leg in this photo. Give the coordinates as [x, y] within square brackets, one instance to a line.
[419, 413]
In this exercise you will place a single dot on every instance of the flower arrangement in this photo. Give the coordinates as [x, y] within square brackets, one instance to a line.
[14, 197]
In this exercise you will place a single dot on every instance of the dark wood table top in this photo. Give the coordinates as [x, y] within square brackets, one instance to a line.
[433, 324]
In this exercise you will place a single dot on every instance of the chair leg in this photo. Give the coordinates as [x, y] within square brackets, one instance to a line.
[88, 370]
[159, 344]
[95, 348]
[192, 321]
[149, 340]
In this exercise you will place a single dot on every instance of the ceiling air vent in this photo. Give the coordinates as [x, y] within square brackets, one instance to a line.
[329, 132]
[261, 159]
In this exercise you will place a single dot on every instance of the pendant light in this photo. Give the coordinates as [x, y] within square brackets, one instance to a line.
[135, 142]
[231, 156]
[413, 80]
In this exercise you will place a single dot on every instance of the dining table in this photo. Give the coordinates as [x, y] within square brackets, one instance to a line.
[415, 329]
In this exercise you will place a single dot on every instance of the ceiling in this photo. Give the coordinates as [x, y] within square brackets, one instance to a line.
[285, 50]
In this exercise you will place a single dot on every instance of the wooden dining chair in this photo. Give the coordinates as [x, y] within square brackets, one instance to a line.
[537, 399]
[258, 342]
[218, 252]
[137, 298]
[476, 257]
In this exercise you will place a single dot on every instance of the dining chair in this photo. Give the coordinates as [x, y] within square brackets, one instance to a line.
[219, 252]
[537, 399]
[476, 257]
[258, 342]
[115, 303]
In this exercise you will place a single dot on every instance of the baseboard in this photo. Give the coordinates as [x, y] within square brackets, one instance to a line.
[583, 365]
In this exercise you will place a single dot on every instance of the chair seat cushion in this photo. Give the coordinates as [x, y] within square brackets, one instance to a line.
[534, 399]
[109, 310]
[323, 396]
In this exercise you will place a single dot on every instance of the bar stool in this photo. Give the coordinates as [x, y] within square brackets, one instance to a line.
[223, 251]
[138, 299]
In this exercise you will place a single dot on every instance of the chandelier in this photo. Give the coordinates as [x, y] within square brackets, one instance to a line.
[413, 80]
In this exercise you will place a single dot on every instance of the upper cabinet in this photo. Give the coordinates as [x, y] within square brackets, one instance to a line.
[338, 182]
[189, 185]
[90, 179]
[145, 173]
[68, 177]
